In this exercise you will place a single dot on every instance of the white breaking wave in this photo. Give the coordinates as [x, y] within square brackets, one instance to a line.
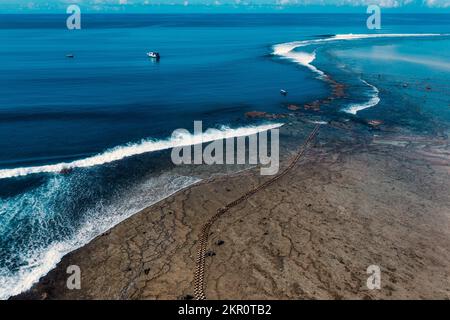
[145, 146]
[304, 58]
[39, 260]
[287, 50]
[374, 100]
[319, 122]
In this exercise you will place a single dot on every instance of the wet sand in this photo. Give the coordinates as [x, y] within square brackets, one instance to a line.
[353, 200]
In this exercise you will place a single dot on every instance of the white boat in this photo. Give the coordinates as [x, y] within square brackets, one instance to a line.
[154, 55]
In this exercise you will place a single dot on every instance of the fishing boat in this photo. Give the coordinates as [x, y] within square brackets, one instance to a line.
[153, 55]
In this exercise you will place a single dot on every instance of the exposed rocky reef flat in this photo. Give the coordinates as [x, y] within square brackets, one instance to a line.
[352, 201]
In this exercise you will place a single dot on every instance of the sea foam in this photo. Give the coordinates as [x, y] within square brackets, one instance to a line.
[287, 51]
[42, 254]
[40, 204]
[145, 146]
[373, 101]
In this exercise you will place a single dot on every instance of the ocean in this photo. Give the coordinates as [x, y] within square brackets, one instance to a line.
[82, 138]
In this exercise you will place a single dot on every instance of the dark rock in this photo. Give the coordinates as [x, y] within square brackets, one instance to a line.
[66, 171]
[210, 253]
[255, 114]
[375, 122]
[264, 115]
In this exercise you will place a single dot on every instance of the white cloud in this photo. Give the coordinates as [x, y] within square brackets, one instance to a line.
[356, 3]
[437, 3]
[256, 3]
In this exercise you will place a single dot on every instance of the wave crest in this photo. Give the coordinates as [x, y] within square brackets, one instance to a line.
[287, 51]
[145, 146]
[374, 100]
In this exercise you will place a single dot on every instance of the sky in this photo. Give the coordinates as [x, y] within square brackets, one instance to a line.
[221, 6]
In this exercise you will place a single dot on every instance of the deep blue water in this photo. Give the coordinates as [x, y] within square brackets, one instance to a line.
[111, 93]
[213, 68]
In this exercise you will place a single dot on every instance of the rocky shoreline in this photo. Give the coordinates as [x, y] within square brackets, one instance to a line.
[363, 195]
[355, 200]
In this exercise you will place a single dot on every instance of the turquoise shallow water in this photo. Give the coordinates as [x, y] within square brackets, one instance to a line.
[412, 77]
[214, 68]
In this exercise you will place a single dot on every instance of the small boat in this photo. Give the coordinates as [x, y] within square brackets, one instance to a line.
[70, 55]
[283, 92]
[153, 55]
